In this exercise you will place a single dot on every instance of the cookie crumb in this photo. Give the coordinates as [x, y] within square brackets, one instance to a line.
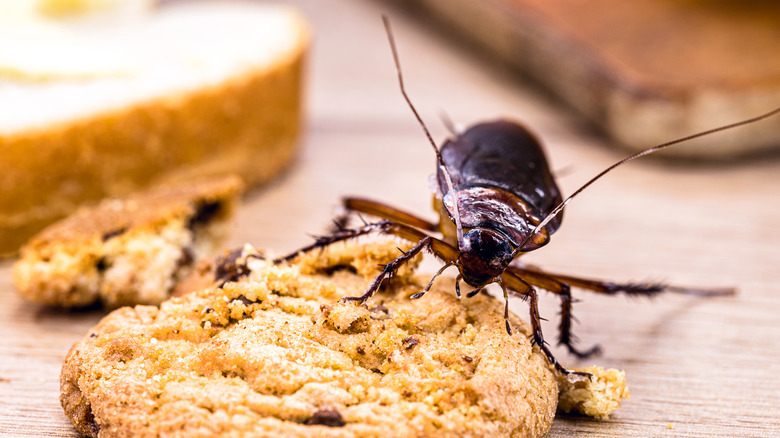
[347, 317]
[409, 342]
[597, 396]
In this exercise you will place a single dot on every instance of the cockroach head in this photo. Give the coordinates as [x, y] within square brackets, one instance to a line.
[484, 255]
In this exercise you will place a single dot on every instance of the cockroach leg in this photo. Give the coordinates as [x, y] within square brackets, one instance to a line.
[563, 290]
[385, 211]
[561, 286]
[610, 288]
[537, 337]
[390, 269]
[517, 286]
[430, 283]
[565, 336]
[710, 292]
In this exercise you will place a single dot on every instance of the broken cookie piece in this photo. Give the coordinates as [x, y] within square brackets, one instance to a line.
[270, 351]
[597, 396]
[128, 251]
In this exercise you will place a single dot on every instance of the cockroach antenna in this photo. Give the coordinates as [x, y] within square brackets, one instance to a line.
[449, 124]
[439, 159]
[557, 210]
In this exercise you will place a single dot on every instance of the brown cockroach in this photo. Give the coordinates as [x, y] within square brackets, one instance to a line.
[496, 199]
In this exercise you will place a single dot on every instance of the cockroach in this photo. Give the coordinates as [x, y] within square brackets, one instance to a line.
[497, 199]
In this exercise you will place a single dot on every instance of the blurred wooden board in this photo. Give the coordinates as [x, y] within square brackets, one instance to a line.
[645, 71]
[705, 367]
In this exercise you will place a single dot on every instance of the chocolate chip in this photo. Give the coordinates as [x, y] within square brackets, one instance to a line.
[204, 212]
[335, 268]
[91, 426]
[227, 268]
[246, 301]
[326, 417]
[113, 233]
[409, 342]
[102, 264]
[186, 258]
[233, 265]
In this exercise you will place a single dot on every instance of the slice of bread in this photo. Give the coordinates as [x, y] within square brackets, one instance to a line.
[100, 105]
[128, 251]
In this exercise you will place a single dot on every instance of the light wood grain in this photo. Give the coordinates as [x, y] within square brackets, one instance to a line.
[705, 367]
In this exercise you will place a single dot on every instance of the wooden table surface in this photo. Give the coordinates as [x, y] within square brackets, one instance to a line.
[695, 367]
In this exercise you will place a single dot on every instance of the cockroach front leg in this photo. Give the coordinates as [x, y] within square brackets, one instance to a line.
[440, 248]
[390, 269]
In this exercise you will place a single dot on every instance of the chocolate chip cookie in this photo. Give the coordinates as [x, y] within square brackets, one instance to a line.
[268, 350]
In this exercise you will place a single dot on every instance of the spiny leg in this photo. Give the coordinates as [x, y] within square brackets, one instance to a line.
[563, 290]
[390, 269]
[561, 285]
[438, 247]
[565, 336]
[390, 215]
[517, 286]
[611, 288]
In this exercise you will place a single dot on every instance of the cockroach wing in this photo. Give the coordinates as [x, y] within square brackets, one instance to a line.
[503, 155]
